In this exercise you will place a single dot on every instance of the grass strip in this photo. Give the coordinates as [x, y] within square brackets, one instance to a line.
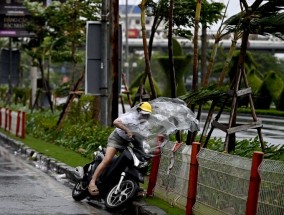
[164, 205]
[59, 153]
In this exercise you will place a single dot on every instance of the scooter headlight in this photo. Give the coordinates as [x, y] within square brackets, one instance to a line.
[146, 147]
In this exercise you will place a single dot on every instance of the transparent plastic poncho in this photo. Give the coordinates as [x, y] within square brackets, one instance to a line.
[169, 115]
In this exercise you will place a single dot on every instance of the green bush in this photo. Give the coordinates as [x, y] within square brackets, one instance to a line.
[136, 83]
[83, 137]
[269, 91]
[246, 147]
[21, 95]
[254, 80]
[181, 64]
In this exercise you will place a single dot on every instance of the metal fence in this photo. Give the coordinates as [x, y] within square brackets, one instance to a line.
[271, 196]
[172, 184]
[223, 182]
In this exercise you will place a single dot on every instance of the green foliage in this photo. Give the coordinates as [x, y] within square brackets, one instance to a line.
[181, 65]
[42, 124]
[62, 90]
[59, 153]
[270, 90]
[164, 205]
[204, 95]
[82, 110]
[254, 80]
[83, 136]
[267, 62]
[274, 84]
[263, 19]
[250, 63]
[177, 49]
[59, 31]
[136, 83]
[3, 92]
[246, 147]
[184, 14]
[21, 95]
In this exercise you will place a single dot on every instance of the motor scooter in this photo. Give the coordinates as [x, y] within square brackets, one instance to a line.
[119, 183]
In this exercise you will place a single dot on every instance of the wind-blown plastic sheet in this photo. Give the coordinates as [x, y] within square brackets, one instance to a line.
[169, 115]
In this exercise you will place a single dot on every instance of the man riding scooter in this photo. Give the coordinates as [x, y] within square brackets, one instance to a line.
[119, 139]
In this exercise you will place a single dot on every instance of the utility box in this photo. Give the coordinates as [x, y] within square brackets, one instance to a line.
[94, 66]
[10, 66]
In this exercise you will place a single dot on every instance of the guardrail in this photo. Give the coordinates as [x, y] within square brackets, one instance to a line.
[13, 122]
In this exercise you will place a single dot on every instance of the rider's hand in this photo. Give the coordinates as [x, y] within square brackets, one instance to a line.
[129, 134]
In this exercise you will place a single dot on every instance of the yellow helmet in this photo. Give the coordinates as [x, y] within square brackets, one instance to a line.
[145, 107]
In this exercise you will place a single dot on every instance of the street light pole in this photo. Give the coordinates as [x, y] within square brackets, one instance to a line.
[104, 81]
[126, 43]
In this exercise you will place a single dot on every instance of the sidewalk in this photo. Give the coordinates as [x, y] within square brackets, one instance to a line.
[139, 207]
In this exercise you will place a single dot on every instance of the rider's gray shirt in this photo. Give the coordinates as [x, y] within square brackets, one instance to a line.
[133, 121]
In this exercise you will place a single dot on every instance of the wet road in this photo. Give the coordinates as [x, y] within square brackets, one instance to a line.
[25, 189]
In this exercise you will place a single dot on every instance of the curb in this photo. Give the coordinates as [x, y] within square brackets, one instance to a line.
[139, 207]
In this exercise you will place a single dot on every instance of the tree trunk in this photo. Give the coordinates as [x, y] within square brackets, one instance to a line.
[146, 55]
[45, 83]
[195, 49]
[228, 59]
[203, 52]
[170, 49]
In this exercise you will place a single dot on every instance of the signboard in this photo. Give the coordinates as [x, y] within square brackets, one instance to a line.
[13, 19]
[13, 26]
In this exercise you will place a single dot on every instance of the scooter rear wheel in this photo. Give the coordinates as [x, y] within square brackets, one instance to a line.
[128, 189]
[79, 192]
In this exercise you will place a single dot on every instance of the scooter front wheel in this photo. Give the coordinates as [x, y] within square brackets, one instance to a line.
[128, 189]
[79, 192]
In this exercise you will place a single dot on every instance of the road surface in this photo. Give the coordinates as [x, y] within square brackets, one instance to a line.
[24, 189]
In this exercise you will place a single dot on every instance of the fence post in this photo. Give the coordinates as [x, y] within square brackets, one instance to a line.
[155, 167]
[23, 132]
[10, 120]
[6, 119]
[192, 182]
[254, 184]
[18, 123]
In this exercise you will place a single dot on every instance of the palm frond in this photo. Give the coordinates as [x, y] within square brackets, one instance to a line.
[203, 95]
[271, 7]
[268, 25]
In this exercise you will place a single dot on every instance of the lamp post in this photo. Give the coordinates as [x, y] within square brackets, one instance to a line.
[126, 42]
